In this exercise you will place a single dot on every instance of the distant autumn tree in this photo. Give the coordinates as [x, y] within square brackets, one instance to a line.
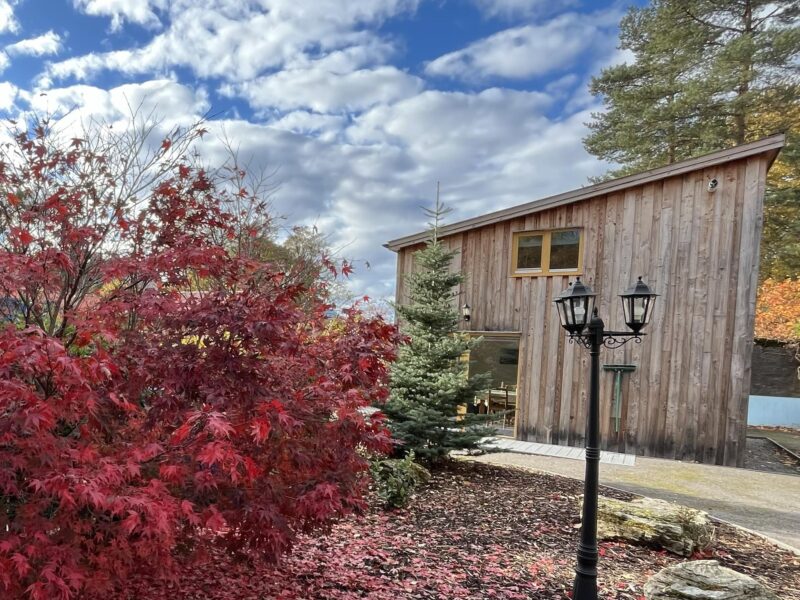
[160, 391]
[778, 310]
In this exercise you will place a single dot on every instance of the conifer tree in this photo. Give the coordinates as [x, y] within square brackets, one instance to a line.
[706, 75]
[430, 386]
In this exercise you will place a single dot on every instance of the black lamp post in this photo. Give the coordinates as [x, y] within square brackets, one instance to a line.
[574, 305]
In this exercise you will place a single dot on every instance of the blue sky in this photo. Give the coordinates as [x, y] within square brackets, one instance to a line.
[360, 105]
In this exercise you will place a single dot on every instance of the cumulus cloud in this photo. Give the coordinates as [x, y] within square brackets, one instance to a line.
[47, 43]
[238, 40]
[522, 8]
[490, 150]
[326, 91]
[175, 103]
[8, 95]
[530, 50]
[342, 81]
[7, 20]
[140, 12]
[326, 127]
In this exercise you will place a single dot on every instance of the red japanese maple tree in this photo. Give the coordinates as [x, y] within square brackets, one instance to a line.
[160, 392]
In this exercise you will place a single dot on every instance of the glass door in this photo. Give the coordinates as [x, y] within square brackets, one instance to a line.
[497, 355]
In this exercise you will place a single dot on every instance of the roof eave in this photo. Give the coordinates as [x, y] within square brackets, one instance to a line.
[771, 144]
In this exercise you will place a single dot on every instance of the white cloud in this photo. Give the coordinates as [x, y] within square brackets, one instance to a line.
[326, 127]
[4, 61]
[47, 43]
[140, 12]
[326, 91]
[238, 40]
[344, 80]
[530, 50]
[8, 95]
[522, 8]
[490, 150]
[7, 20]
[167, 99]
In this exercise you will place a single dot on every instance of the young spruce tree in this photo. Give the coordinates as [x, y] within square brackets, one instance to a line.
[429, 380]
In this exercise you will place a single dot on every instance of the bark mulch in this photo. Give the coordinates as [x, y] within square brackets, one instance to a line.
[474, 532]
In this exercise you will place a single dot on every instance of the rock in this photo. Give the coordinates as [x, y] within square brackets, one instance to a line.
[704, 580]
[675, 528]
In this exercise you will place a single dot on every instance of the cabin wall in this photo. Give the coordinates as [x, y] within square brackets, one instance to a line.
[687, 398]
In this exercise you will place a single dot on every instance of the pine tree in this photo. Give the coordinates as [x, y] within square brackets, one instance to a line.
[654, 113]
[429, 381]
[706, 75]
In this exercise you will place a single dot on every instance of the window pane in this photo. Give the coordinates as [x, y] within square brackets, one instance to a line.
[564, 250]
[529, 252]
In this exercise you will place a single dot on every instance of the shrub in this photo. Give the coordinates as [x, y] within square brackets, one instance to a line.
[396, 479]
[159, 390]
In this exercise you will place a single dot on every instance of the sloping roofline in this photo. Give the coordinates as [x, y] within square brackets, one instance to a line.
[771, 144]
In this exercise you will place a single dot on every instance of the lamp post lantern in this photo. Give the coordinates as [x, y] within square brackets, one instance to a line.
[575, 305]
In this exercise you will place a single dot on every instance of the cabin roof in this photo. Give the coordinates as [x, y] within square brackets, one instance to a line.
[771, 144]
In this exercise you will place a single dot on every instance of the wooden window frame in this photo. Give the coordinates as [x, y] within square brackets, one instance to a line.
[545, 271]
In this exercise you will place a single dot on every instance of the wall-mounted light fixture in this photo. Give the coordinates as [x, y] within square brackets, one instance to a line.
[466, 312]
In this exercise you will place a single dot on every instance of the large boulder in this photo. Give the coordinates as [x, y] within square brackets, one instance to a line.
[675, 528]
[704, 580]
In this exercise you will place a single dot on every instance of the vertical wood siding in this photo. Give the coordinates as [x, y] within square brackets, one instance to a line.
[687, 398]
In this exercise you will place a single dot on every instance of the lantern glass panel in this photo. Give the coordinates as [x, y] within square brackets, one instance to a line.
[582, 308]
[563, 315]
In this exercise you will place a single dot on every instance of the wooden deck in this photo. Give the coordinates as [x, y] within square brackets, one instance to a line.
[510, 445]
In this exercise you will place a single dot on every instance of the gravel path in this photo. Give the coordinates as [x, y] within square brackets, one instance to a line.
[763, 455]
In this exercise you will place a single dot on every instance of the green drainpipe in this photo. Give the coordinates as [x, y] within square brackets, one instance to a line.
[616, 407]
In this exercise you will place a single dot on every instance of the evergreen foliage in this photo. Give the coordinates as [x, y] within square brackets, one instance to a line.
[429, 380]
[706, 75]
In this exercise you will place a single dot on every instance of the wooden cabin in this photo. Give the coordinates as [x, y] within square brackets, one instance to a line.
[692, 231]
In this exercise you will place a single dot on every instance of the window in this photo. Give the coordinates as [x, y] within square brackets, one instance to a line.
[547, 252]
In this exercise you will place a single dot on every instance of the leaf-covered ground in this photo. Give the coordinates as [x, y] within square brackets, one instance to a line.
[475, 532]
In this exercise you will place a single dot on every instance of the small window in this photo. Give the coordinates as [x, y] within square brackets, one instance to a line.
[529, 253]
[547, 252]
[565, 249]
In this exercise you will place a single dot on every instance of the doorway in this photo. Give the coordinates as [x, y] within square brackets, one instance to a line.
[498, 355]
